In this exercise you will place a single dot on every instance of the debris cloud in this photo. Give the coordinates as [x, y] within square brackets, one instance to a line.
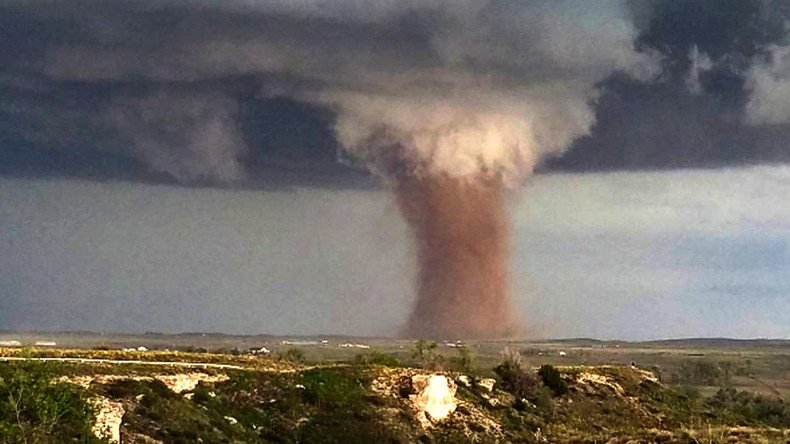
[462, 246]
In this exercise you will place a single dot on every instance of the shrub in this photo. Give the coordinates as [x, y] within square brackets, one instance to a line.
[750, 407]
[516, 379]
[552, 378]
[375, 357]
[293, 354]
[35, 409]
[464, 362]
[329, 389]
[426, 356]
[689, 392]
[194, 349]
[701, 372]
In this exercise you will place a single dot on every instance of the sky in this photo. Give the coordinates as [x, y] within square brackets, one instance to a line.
[605, 255]
[226, 166]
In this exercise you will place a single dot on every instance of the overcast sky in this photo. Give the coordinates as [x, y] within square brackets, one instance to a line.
[615, 255]
[204, 166]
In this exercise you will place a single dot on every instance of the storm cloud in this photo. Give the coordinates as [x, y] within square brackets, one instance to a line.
[647, 84]
[315, 94]
[172, 85]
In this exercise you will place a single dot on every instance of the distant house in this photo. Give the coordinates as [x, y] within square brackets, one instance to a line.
[10, 344]
[259, 351]
[46, 344]
[350, 345]
[562, 353]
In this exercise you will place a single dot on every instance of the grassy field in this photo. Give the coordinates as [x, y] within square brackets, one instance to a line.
[335, 389]
[759, 365]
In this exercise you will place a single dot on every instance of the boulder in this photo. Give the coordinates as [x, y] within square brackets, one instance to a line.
[487, 384]
[433, 396]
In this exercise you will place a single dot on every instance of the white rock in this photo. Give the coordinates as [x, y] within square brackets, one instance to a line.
[186, 382]
[434, 396]
[108, 419]
[464, 379]
[260, 351]
[487, 384]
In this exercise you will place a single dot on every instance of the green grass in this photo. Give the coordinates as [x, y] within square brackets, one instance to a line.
[36, 408]
[300, 399]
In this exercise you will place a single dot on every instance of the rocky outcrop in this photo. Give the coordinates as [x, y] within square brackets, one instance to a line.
[433, 396]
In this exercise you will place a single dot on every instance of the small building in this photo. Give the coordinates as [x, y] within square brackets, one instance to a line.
[46, 344]
[259, 351]
[350, 345]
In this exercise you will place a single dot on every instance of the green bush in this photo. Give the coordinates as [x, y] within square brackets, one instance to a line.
[375, 357]
[552, 378]
[701, 372]
[426, 356]
[327, 388]
[690, 392]
[521, 382]
[750, 407]
[34, 408]
[464, 362]
[293, 355]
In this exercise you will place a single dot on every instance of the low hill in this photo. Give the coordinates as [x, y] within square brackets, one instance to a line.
[149, 397]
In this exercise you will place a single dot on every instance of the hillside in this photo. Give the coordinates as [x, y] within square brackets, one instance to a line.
[148, 397]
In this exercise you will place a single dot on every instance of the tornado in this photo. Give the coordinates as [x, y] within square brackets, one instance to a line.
[462, 237]
[451, 103]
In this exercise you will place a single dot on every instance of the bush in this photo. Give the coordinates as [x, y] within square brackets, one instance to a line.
[35, 409]
[517, 380]
[464, 362]
[552, 378]
[689, 392]
[329, 389]
[426, 356]
[375, 357]
[293, 355]
[701, 372]
[749, 407]
[193, 349]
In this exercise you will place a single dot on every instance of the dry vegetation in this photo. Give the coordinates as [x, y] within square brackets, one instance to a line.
[289, 397]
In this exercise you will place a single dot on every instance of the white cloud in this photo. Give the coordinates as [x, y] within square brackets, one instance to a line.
[769, 83]
[734, 200]
[477, 87]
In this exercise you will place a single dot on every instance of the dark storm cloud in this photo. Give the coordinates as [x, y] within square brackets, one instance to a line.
[97, 89]
[700, 111]
[209, 92]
